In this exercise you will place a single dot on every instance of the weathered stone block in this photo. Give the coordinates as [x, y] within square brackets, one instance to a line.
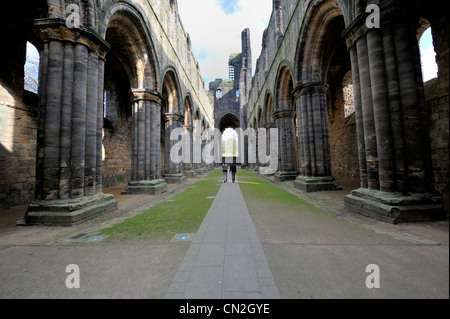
[316, 184]
[175, 178]
[285, 176]
[68, 212]
[395, 208]
[153, 187]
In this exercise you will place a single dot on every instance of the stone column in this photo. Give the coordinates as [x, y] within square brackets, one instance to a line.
[313, 137]
[68, 185]
[393, 137]
[146, 119]
[266, 169]
[287, 168]
[197, 148]
[173, 172]
[188, 168]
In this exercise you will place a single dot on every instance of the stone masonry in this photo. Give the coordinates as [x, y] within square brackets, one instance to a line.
[395, 142]
[105, 68]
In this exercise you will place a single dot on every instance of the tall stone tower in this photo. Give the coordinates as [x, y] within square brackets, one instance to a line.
[245, 85]
[230, 96]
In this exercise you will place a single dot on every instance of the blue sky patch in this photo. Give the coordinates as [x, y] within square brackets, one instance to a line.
[229, 6]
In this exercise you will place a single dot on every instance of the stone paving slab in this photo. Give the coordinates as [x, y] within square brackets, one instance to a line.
[226, 259]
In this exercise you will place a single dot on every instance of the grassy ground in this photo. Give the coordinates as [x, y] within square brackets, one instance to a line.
[256, 190]
[184, 213]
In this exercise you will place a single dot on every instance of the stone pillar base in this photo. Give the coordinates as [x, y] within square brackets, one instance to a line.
[395, 208]
[316, 184]
[267, 171]
[153, 187]
[175, 178]
[199, 171]
[68, 212]
[190, 174]
[285, 176]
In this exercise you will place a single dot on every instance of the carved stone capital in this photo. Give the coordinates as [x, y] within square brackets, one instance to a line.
[146, 95]
[56, 30]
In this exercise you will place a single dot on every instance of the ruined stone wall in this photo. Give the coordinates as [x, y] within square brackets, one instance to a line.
[344, 164]
[228, 103]
[288, 20]
[116, 139]
[168, 48]
[18, 122]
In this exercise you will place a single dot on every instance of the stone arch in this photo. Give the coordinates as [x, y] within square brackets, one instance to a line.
[285, 117]
[171, 119]
[229, 120]
[188, 111]
[435, 90]
[260, 118]
[321, 62]
[130, 78]
[314, 42]
[284, 88]
[268, 109]
[171, 92]
[135, 48]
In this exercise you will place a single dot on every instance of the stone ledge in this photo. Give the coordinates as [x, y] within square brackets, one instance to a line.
[68, 212]
[191, 174]
[395, 208]
[316, 184]
[153, 187]
[265, 170]
[285, 176]
[175, 178]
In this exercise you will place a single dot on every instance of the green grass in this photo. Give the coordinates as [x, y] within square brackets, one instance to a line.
[255, 188]
[160, 223]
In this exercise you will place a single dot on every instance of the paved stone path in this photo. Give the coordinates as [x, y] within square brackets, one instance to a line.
[225, 259]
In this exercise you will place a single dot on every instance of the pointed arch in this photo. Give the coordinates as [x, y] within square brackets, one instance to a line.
[268, 109]
[284, 89]
[188, 111]
[315, 39]
[171, 92]
[125, 29]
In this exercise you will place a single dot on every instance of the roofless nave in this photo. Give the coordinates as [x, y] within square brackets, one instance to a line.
[113, 86]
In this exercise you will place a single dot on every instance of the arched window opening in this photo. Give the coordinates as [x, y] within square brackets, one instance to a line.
[31, 80]
[219, 94]
[348, 96]
[229, 143]
[428, 56]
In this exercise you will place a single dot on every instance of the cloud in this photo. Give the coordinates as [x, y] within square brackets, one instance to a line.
[215, 29]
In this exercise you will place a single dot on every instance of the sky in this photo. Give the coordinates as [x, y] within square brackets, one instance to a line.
[215, 28]
[215, 32]
[428, 56]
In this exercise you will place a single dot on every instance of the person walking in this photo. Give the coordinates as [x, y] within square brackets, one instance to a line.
[233, 171]
[225, 172]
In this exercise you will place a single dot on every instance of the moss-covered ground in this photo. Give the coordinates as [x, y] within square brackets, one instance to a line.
[183, 213]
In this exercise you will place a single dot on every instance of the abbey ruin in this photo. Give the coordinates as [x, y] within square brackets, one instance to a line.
[116, 77]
